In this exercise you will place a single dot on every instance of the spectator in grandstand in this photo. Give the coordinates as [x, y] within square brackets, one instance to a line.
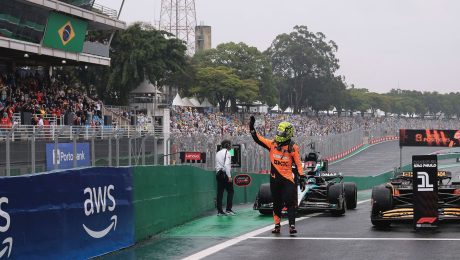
[40, 122]
[5, 121]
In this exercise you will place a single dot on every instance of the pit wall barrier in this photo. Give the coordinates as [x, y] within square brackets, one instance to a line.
[167, 196]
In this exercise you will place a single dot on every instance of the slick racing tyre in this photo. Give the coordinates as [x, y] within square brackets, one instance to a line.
[265, 194]
[382, 200]
[351, 194]
[336, 195]
[265, 197]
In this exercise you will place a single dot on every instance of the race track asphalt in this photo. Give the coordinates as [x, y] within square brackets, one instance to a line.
[378, 158]
[349, 237]
[321, 236]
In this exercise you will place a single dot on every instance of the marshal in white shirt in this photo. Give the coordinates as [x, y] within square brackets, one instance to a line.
[224, 161]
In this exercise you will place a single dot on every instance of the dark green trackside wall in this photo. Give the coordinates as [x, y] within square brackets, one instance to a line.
[167, 196]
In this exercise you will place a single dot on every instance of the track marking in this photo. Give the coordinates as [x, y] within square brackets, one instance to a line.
[214, 249]
[363, 201]
[360, 238]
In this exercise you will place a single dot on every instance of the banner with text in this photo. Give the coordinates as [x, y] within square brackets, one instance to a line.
[425, 186]
[63, 156]
[74, 214]
[429, 137]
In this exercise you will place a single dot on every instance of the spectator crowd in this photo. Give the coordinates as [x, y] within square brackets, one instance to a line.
[51, 100]
[48, 99]
[190, 121]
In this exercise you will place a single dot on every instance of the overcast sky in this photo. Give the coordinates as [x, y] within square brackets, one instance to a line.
[413, 44]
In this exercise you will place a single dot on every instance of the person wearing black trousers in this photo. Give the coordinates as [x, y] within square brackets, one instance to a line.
[224, 178]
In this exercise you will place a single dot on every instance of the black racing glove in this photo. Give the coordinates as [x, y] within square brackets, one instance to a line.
[251, 124]
[302, 183]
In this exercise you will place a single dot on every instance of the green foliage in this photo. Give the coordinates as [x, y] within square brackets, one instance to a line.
[247, 63]
[221, 84]
[141, 52]
[306, 63]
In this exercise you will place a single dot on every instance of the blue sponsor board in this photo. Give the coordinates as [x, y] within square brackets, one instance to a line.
[73, 214]
[63, 157]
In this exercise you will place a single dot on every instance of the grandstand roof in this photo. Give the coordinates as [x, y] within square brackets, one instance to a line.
[15, 51]
[98, 19]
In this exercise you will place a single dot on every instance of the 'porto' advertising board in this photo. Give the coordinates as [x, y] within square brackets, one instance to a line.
[63, 157]
[66, 215]
[429, 137]
[425, 186]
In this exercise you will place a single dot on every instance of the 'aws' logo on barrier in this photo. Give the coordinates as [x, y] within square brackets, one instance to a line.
[7, 243]
[96, 203]
[66, 33]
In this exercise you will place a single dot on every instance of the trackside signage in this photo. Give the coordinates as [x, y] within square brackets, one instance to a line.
[192, 157]
[74, 214]
[63, 155]
[425, 186]
[242, 180]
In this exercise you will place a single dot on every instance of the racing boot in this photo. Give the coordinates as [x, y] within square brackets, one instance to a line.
[292, 230]
[277, 229]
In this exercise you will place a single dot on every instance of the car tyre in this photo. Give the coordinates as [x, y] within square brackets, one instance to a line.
[336, 195]
[351, 194]
[382, 200]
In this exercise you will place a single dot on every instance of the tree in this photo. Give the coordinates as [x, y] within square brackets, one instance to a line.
[303, 59]
[358, 100]
[141, 52]
[221, 84]
[247, 63]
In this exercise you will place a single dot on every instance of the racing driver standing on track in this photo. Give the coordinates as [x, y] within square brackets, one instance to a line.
[283, 154]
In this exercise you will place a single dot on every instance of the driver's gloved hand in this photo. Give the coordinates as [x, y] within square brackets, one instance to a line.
[302, 183]
[251, 124]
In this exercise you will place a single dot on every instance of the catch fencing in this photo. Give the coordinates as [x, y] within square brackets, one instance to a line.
[31, 149]
[255, 159]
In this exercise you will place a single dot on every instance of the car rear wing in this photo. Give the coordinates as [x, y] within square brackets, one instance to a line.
[441, 174]
[331, 175]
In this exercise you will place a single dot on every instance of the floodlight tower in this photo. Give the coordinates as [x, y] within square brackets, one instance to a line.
[179, 18]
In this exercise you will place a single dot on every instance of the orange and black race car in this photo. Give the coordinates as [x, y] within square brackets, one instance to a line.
[393, 201]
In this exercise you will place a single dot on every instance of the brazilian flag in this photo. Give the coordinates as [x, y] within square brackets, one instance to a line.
[65, 32]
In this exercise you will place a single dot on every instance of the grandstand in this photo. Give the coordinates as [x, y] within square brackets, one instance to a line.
[37, 38]
[30, 31]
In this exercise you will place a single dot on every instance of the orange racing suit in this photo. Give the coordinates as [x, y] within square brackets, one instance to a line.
[282, 185]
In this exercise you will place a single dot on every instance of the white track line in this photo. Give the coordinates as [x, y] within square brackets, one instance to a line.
[360, 238]
[214, 249]
[363, 201]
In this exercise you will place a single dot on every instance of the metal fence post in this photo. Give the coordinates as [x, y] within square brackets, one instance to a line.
[93, 155]
[117, 149]
[129, 150]
[74, 137]
[155, 150]
[32, 150]
[74, 151]
[8, 151]
[143, 150]
[110, 150]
